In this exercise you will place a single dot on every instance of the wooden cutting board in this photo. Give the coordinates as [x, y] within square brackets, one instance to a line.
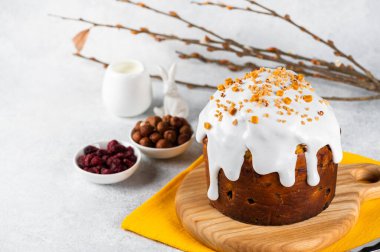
[356, 183]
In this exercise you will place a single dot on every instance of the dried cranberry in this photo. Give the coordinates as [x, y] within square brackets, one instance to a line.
[121, 148]
[105, 158]
[86, 169]
[128, 163]
[111, 145]
[80, 161]
[105, 171]
[117, 148]
[133, 158]
[130, 150]
[90, 149]
[110, 160]
[119, 155]
[116, 169]
[101, 152]
[87, 159]
[115, 163]
[96, 161]
[94, 169]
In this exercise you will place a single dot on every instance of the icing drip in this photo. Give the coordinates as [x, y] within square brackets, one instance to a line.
[269, 112]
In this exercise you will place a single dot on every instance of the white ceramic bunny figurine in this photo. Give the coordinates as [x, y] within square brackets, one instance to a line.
[174, 104]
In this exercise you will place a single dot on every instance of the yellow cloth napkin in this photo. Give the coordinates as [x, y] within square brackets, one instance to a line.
[156, 219]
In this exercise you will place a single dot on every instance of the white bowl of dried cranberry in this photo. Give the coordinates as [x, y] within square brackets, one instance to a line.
[162, 138]
[107, 162]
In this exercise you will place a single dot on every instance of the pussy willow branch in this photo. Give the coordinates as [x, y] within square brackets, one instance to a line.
[221, 62]
[315, 61]
[208, 86]
[299, 67]
[250, 50]
[328, 43]
[249, 66]
[339, 76]
[162, 37]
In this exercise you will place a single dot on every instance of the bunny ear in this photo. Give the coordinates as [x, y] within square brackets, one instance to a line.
[163, 73]
[172, 72]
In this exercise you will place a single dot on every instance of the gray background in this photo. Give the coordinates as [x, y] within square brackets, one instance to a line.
[50, 106]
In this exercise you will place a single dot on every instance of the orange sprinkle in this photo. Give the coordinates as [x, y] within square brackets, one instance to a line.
[254, 119]
[232, 111]
[295, 85]
[307, 98]
[287, 100]
[211, 97]
[300, 77]
[316, 118]
[309, 119]
[254, 98]
[221, 87]
[228, 81]
[207, 125]
[266, 115]
[302, 122]
[235, 122]
[280, 93]
[320, 113]
[235, 89]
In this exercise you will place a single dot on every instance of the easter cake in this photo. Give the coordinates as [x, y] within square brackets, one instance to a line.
[271, 148]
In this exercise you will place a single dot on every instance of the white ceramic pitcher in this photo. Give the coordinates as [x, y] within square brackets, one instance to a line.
[127, 89]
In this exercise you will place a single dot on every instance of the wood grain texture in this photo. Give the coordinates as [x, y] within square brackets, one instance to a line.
[356, 183]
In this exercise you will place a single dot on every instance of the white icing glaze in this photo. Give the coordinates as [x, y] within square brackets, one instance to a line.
[273, 140]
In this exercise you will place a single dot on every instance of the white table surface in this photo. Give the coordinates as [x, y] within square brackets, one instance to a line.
[50, 106]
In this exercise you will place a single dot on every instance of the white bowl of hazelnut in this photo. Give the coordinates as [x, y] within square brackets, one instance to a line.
[162, 138]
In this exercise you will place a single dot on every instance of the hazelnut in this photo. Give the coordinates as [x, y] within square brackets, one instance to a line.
[136, 136]
[155, 136]
[166, 118]
[186, 129]
[162, 127]
[163, 143]
[137, 126]
[184, 121]
[153, 120]
[170, 135]
[145, 141]
[146, 129]
[183, 138]
[176, 122]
